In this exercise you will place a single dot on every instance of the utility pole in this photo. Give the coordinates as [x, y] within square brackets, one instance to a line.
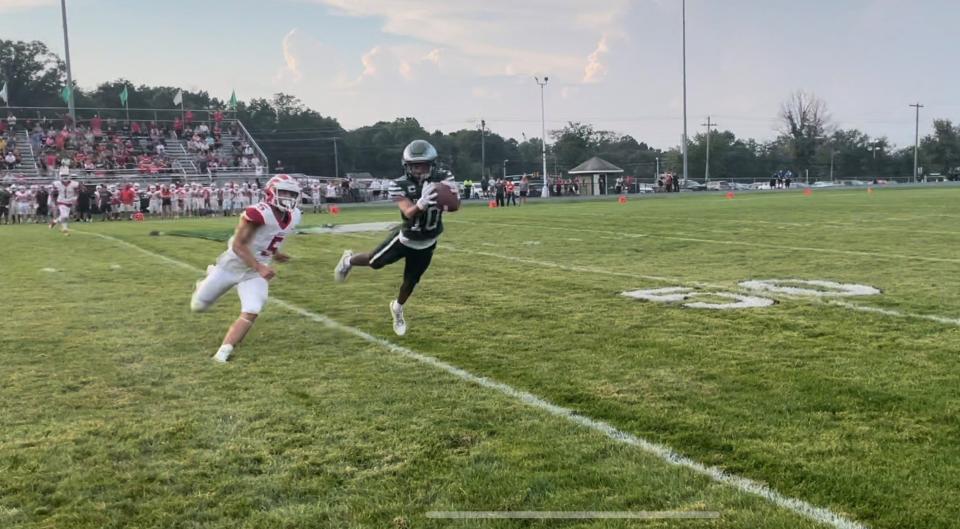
[483, 150]
[710, 126]
[545, 191]
[336, 159]
[916, 141]
[66, 47]
[684, 22]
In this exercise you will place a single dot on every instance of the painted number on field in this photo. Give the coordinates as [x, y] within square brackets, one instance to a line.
[713, 300]
[809, 287]
[709, 300]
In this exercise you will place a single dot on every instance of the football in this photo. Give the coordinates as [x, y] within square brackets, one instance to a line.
[447, 199]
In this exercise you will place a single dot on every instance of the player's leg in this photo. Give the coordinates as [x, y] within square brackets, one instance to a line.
[416, 263]
[209, 289]
[64, 218]
[253, 295]
[388, 252]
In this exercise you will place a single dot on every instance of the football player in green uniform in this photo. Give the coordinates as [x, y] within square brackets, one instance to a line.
[421, 225]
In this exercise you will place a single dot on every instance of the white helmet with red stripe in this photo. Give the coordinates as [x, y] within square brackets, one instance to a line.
[282, 191]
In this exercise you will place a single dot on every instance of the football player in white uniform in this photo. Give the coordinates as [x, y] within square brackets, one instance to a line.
[246, 263]
[67, 192]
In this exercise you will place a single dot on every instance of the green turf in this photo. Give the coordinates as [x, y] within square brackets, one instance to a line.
[113, 415]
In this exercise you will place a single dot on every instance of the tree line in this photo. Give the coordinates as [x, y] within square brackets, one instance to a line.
[309, 142]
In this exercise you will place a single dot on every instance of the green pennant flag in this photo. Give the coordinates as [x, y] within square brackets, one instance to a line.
[66, 93]
[233, 100]
[124, 95]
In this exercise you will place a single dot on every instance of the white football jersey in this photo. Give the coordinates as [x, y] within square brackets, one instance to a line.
[269, 236]
[67, 191]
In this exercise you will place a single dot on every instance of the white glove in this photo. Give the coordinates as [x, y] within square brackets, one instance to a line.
[428, 197]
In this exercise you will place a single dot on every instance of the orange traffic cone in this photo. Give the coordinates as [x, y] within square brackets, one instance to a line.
[492, 203]
[622, 199]
[808, 191]
[730, 194]
[334, 210]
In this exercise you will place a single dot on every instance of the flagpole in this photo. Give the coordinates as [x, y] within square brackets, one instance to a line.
[126, 103]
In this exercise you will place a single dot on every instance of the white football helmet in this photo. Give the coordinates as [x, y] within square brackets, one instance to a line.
[282, 191]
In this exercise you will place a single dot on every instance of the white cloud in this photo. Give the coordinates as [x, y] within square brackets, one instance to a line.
[595, 70]
[289, 57]
[497, 36]
[14, 5]
[369, 62]
[433, 56]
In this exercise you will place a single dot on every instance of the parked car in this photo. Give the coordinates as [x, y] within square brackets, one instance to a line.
[692, 185]
[822, 184]
[719, 185]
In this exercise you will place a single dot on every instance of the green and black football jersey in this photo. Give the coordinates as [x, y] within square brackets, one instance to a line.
[426, 226]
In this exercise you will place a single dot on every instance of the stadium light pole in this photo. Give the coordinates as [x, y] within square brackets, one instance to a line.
[505, 168]
[545, 192]
[66, 48]
[684, 32]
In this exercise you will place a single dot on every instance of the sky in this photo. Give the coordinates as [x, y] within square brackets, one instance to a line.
[615, 64]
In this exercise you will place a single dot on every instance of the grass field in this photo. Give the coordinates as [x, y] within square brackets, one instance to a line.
[112, 414]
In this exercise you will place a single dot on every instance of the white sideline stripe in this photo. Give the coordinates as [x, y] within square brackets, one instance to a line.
[587, 269]
[852, 306]
[737, 243]
[663, 452]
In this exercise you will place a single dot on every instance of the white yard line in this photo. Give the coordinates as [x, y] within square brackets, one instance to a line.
[676, 281]
[734, 243]
[663, 452]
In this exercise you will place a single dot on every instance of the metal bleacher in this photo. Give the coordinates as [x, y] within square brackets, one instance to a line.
[183, 165]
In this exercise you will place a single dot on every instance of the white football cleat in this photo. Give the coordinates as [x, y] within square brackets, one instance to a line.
[342, 270]
[223, 354]
[399, 324]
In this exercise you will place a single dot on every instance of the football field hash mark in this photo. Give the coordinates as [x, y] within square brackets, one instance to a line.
[663, 452]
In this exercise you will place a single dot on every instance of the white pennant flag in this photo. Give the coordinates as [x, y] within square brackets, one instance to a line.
[178, 99]
[3, 94]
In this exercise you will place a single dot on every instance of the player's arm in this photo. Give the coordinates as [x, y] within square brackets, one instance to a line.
[408, 207]
[241, 247]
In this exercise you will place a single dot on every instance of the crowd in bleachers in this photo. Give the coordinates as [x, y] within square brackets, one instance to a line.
[101, 146]
[10, 154]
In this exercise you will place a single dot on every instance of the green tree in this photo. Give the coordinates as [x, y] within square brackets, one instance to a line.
[34, 74]
[940, 151]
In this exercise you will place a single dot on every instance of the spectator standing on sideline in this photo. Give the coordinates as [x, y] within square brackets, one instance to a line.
[84, 199]
[499, 189]
[511, 196]
[524, 189]
[4, 205]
